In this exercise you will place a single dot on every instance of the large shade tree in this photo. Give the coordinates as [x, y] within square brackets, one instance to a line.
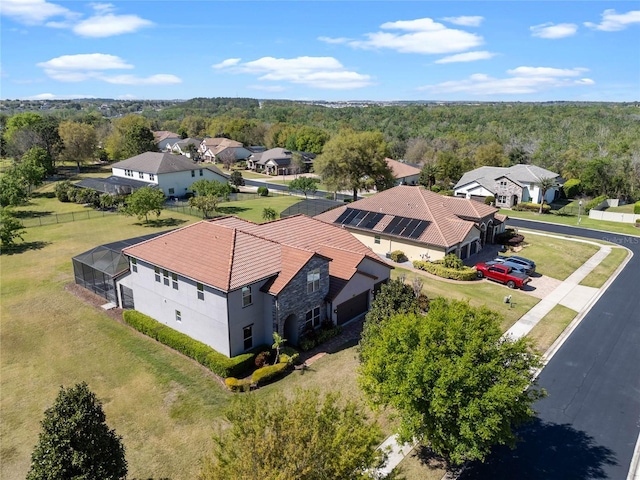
[80, 142]
[144, 201]
[306, 437]
[355, 160]
[457, 384]
[75, 442]
[130, 136]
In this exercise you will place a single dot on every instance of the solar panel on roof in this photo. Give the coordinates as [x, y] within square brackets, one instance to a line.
[399, 228]
[417, 231]
[355, 220]
[392, 224]
[340, 220]
[371, 220]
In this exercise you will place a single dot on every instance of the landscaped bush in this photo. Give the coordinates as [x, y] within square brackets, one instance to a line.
[531, 207]
[440, 270]
[62, 190]
[262, 359]
[263, 191]
[263, 375]
[572, 188]
[489, 200]
[398, 256]
[636, 208]
[435, 188]
[318, 336]
[452, 261]
[503, 237]
[201, 353]
[447, 193]
[594, 203]
[235, 385]
[86, 195]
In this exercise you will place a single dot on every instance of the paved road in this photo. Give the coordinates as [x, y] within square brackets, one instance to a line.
[588, 425]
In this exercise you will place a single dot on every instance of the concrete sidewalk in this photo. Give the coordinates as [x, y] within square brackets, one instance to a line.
[569, 293]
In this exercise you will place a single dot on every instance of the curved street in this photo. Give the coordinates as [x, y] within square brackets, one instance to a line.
[588, 425]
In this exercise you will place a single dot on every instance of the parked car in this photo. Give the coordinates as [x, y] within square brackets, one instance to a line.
[514, 266]
[529, 265]
[502, 273]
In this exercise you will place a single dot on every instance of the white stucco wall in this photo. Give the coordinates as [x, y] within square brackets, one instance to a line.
[387, 244]
[146, 177]
[180, 181]
[472, 188]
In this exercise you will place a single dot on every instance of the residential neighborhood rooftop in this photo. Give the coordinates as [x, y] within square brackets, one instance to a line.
[157, 163]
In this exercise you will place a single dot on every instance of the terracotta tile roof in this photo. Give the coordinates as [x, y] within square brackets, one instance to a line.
[222, 257]
[228, 252]
[400, 169]
[161, 135]
[445, 226]
[500, 218]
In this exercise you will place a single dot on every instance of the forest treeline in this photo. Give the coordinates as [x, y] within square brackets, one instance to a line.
[595, 144]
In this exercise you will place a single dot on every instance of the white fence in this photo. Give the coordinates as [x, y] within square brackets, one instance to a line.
[613, 216]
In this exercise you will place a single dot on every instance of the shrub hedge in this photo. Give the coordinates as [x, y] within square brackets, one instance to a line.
[636, 208]
[265, 374]
[201, 353]
[572, 188]
[594, 203]
[490, 200]
[531, 207]
[235, 385]
[263, 191]
[398, 256]
[317, 337]
[465, 274]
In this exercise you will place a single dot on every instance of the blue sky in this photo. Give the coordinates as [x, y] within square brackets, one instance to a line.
[321, 50]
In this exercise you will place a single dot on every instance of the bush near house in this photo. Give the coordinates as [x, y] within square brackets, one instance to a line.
[263, 191]
[594, 203]
[636, 208]
[398, 256]
[264, 375]
[319, 336]
[437, 268]
[201, 353]
[489, 200]
[531, 207]
[572, 188]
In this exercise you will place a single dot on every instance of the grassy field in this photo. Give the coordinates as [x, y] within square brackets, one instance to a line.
[551, 326]
[165, 406]
[602, 272]
[555, 257]
[621, 209]
[585, 222]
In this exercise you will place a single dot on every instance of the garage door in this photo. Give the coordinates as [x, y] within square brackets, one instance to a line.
[353, 307]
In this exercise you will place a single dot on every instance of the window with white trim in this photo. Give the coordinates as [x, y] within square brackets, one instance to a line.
[313, 280]
[312, 319]
[152, 177]
[178, 316]
[157, 272]
[172, 191]
[200, 288]
[201, 173]
[165, 275]
[247, 335]
[174, 281]
[140, 174]
[134, 265]
[247, 299]
[193, 173]
[376, 239]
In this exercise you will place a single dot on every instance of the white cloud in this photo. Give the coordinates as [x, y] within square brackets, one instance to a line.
[553, 31]
[267, 88]
[33, 12]
[91, 66]
[613, 22]
[423, 36]
[127, 96]
[158, 79]
[467, 57]
[229, 62]
[86, 61]
[105, 24]
[465, 21]
[51, 96]
[522, 80]
[316, 72]
[334, 40]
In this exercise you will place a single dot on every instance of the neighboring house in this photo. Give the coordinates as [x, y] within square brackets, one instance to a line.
[165, 139]
[231, 283]
[508, 185]
[404, 173]
[422, 224]
[278, 161]
[213, 149]
[181, 147]
[173, 174]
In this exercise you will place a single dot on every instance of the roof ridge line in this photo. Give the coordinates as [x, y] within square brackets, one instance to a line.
[231, 258]
[433, 218]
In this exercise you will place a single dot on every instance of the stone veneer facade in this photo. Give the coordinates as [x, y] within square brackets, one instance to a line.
[508, 191]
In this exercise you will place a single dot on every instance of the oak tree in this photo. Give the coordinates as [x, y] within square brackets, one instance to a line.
[144, 201]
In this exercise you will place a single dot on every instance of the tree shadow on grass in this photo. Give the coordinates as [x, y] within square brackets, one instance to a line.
[231, 210]
[23, 247]
[31, 214]
[43, 195]
[162, 222]
[546, 451]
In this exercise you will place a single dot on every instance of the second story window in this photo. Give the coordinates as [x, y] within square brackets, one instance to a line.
[152, 177]
[193, 173]
[200, 288]
[246, 296]
[165, 275]
[376, 239]
[157, 272]
[313, 280]
[134, 264]
[174, 281]
[201, 172]
[140, 174]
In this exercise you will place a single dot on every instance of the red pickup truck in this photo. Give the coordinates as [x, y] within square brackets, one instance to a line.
[502, 274]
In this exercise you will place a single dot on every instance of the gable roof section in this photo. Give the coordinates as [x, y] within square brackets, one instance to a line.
[210, 253]
[520, 173]
[161, 135]
[158, 163]
[443, 221]
[400, 169]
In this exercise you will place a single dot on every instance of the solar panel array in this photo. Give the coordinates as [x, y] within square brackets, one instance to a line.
[400, 226]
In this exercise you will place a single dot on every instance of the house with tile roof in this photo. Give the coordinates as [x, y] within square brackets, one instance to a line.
[508, 185]
[422, 224]
[164, 139]
[231, 283]
[213, 149]
[404, 173]
[173, 174]
[278, 161]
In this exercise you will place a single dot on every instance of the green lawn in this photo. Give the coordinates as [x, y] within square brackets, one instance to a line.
[555, 257]
[602, 272]
[585, 222]
[551, 326]
[622, 208]
[252, 209]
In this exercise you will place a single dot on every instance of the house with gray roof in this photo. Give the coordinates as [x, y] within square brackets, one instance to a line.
[508, 185]
[173, 174]
[278, 161]
[181, 147]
